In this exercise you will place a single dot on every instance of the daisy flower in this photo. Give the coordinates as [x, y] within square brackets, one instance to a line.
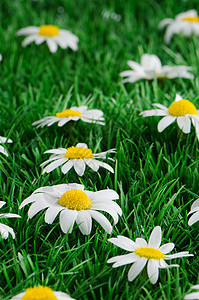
[4, 140]
[143, 252]
[73, 114]
[181, 110]
[186, 23]
[151, 67]
[74, 205]
[194, 295]
[4, 229]
[53, 35]
[41, 292]
[194, 209]
[78, 156]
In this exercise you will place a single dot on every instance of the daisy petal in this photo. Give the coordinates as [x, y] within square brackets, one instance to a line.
[67, 219]
[165, 122]
[152, 270]
[155, 237]
[136, 268]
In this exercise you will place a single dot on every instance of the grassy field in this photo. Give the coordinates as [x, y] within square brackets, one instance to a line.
[156, 174]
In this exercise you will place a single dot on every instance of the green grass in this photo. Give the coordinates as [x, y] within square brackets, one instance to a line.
[156, 174]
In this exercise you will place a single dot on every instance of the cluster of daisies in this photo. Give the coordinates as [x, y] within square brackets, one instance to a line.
[73, 202]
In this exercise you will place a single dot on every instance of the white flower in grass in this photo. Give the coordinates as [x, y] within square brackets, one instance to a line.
[74, 205]
[4, 140]
[194, 209]
[143, 252]
[78, 156]
[181, 110]
[73, 114]
[41, 293]
[194, 295]
[4, 229]
[53, 35]
[151, 67]
[186, 23]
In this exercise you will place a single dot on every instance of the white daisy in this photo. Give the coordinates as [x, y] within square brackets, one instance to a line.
[194, 209]
[74, 205]
[186, 23]
[194, 295]
[41, 292]
[181, 110]
[4, 140]
[143, 252]
[53, 35]
[4, 229]
[151, 67]
[78, 156]
[73, 114]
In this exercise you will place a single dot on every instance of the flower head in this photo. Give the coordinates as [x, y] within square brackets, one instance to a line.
[53, 35]
[186, 23]
[78, 156]
[4, 229]
[143, 252]
[4, 140]
[151, 67]
[194, 209]
[181, 110]
[194, 295]
[73, 114]
[41, 293]
[74, 205]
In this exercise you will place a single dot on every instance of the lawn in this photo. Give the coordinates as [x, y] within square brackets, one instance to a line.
[156, 174]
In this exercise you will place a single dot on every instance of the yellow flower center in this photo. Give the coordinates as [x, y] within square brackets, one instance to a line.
[48, 30]
[78, 153]
[39, 293]
[182, 108]
[191, 19]
[68, 113]
[149, 252]
[75, 199]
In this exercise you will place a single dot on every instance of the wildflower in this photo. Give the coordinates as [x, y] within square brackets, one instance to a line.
[194, 295]
[4, 229]
[141, 253]
[151, 67]
[4, 140]
[41, 293]
[181, 110]
[194, 209]
[186, 23]
[53, 35]
[73, 114]
[74, 205]
[78, 156]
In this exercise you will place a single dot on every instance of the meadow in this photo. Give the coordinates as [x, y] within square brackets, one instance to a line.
[155, 174]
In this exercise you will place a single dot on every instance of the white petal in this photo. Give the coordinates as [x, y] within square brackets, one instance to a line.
[93, 164]
[51, 213]
[152, 270]
[3, 150]
[166, 248]
[141, 242]
[62, 296]
[194, 218]
[5, 140]
[2, 203]
[151, 62]
[56, 151]
[85, 221]
[184, 124]
[136, 268]
[177, 255]
[102, 220]
[164, 23]
[37, 207]
[67, 166]
[83, 145]
[155, 237]
[67, 219]
[28, 30]
[106, 166]
[135, 66]
[124, 243]
[192, 296]
[51, 45]
[153, 112]
[162, 107]
[31, 199]
[5, 230]
[195, 204]
[178, 97]
[104, 195]
[107, 209]
[29, 39]
[54, 165]
[121, 260]
[165, 122]
[79, 166]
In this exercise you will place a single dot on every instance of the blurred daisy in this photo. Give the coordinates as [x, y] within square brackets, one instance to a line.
[181, 110]
[4, 229]
[1, 57]
[78, 156]
[4, 140]
[73, 114]
[143, 252]
[74, 205]
[186, 23]
[40, 293]
[194, 209]
[151, 67]
[53, 35]
[194, 295]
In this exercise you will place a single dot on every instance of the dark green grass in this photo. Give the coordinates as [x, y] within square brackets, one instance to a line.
[156, 174]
